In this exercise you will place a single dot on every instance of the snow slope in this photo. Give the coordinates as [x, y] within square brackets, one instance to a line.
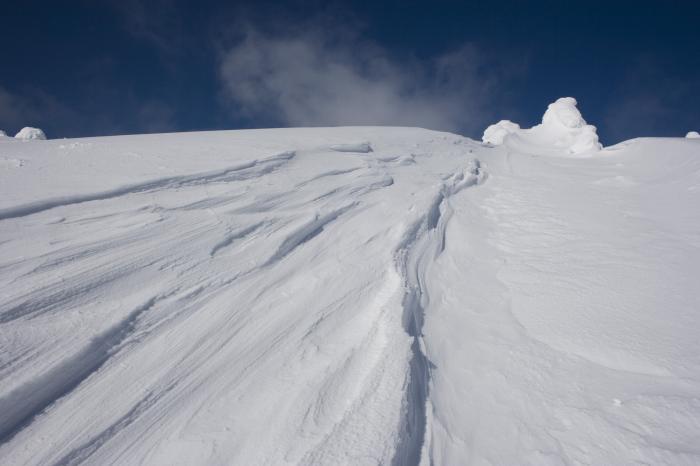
[348, 296]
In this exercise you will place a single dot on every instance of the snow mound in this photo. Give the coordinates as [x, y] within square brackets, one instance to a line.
[361, 147]
[495, 134]
[693, 135]
[563, 113]
[563, 129]
[30, 133]
[4, 134]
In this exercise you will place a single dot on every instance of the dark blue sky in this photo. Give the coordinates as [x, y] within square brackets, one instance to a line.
[104, 67]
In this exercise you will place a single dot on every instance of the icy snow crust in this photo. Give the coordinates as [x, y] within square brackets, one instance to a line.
[259, 297]
[562, 131]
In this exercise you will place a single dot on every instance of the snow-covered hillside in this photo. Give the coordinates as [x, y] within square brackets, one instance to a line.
[349, 296]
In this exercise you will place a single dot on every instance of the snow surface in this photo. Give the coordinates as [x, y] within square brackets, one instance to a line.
[562, 131]
[692, 135]
[28, 132]
[257, 297]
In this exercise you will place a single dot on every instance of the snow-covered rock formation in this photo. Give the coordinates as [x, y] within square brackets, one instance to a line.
[692, 135]
[563, 130]
[28, 133]
[495, 134]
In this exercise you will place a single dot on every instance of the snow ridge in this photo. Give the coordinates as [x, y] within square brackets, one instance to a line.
[307, 232]
[248, 170]
[23, 404]
[422, 243]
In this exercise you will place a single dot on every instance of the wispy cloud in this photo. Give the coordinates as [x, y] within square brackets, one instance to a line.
[32, 107]
[14, 110]
[653, 101]
[329, 76]
[155, 117]
[160, 23]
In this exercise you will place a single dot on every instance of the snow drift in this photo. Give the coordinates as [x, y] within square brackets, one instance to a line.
[692, 135]
[563, 129]
[291, 296]
[28, 133]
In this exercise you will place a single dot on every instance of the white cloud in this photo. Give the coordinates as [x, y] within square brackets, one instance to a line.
[315, 78]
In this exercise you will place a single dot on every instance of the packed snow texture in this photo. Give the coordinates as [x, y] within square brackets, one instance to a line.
[692, 135]
[30, 133]
[562, 131]
[257, 297]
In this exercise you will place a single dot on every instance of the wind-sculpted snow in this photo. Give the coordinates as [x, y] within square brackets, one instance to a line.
[252, 169]
[289, 297]
[562, 131]
[495, 134]
[28, 133]
[20, 406]
[423, 242]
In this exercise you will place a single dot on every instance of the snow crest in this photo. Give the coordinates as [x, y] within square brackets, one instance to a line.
[563, 129]
[28, 132]
[693, 135]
